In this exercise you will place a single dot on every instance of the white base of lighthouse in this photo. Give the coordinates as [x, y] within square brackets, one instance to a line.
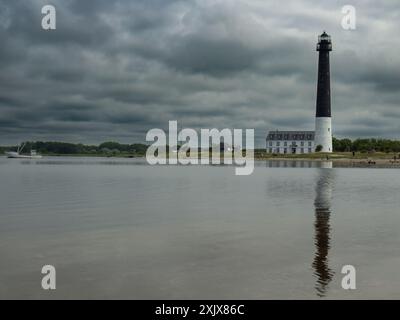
[323, 133]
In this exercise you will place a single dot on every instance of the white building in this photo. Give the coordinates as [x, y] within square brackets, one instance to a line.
[290, 142]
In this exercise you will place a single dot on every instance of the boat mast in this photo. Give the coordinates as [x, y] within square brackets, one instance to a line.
[21, 147]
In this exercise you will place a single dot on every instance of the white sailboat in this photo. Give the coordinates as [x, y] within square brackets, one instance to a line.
[18, 155]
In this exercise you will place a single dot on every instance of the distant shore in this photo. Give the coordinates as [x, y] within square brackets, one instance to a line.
[339, 160]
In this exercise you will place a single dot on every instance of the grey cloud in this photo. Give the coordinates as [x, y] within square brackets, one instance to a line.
[115, 69]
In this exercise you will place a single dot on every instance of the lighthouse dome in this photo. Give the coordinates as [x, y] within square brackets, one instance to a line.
[324, 37]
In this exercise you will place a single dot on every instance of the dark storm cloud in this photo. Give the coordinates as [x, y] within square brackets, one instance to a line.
[115, 69]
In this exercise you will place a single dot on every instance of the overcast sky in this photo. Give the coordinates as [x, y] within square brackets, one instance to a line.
[112, 70]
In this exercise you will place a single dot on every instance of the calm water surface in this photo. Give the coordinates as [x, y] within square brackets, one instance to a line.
[123, 229]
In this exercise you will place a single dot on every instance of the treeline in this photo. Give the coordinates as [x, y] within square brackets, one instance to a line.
[56, 148]
[139, 149]
[366, 145]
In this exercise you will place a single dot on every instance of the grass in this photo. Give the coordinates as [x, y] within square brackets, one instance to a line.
[331, 156]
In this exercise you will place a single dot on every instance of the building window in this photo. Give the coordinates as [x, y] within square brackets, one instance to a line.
[270, 150]
[302, 150]
[270, 143]
[302, 143]
[285, 150]
[309, 143]
[285, 144]
[329, 129]
[278, 144]
[309, 150]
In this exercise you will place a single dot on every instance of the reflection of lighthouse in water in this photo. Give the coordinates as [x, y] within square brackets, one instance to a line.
[322, 227]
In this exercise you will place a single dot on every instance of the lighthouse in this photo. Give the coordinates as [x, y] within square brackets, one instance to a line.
[323, 122]
[319, 140]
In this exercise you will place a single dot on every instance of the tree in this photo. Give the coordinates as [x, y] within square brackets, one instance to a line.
[318, 148]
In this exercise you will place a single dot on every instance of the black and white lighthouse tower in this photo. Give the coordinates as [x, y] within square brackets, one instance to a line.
[323, 122]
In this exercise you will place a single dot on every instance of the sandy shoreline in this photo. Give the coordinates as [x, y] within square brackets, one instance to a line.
[344, 163]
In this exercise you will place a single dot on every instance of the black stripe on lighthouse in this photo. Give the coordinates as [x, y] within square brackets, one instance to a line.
[324, 84]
